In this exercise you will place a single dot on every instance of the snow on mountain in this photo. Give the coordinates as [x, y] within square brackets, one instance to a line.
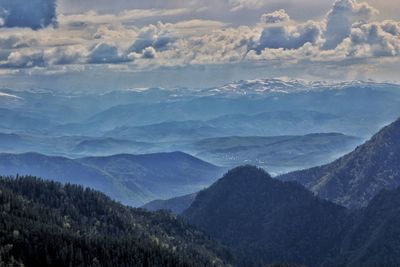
[9, 100]
[281, 86]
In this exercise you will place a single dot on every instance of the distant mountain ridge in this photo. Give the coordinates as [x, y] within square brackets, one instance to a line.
[266, 107]
[277, 154]
[131, 179]
[354, 179]
[259, 86]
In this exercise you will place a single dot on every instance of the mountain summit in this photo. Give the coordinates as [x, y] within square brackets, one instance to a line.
[274, 221]
[267, 218]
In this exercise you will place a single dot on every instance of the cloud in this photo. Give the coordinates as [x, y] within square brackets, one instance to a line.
[24, 59]
[72, 54]
[290, 37]
[103, 53]
[16, 41]
[236, 5]
[96, 40]
[33, 14]
[157, 36]
[275, 17]
[342, 16]
[375, 40]
[149, 53]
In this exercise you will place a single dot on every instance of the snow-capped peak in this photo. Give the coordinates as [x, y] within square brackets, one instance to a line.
[282, 86]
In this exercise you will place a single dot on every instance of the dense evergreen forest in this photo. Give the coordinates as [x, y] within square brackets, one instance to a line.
[262, 220]
[275, 221]
[44, 223]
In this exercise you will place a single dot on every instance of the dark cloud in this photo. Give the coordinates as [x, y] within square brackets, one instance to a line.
[33, 14]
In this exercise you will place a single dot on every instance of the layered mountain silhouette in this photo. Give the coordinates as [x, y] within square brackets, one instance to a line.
[277, 154]
[131, 179]
[354, 179]
[275, 221]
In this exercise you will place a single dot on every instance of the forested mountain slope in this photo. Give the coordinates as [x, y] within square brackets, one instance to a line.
[44, 223]
[275, 221]
[354, 179]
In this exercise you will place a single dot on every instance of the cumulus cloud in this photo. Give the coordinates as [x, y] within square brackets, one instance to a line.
[342, 16]
[33, 14]
[290, 37]
[157, 36]
[105, 53]
[149, 52]
[72, 54]
[94, 39]
[24, 59]
[374, 40]
[275, 17]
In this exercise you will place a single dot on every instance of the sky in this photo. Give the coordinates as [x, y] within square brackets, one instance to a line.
[106, 45]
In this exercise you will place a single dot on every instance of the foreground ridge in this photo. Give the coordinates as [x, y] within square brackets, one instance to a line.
[44, 223]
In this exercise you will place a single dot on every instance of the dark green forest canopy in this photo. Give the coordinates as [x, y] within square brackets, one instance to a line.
[275, 221]
[44, 223]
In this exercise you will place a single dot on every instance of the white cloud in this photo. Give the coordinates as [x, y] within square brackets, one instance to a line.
[24, 59]
[342, 16]
[149, 52]
[275, 17]
[103, 53]
[375, 40]
[289, 36]
[93, 39]
[72, 54]
[158, 36]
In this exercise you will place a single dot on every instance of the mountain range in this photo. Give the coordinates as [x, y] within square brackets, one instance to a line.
[364, 107]
[131, 179]
[277, 154]
[274, 221]
[344, 213]
[153, 120]
[351, 181]
[258, 220]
